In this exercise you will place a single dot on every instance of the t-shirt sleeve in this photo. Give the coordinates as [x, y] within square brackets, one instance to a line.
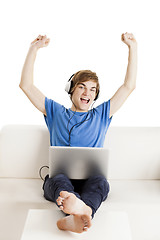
[50, 109]
[107, 111]
[104, 110]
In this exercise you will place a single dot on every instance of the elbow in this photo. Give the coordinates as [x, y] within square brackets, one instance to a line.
[20, 85]
[24, 87]
[134, 87]
[131, 87]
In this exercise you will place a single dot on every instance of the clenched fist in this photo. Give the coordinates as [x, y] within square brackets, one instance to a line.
[40, 41]
[128, 39]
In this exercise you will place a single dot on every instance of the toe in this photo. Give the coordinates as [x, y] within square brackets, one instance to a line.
[60, 199]
[61, 207]
[85, 229]
[64, 194]
[86, 220]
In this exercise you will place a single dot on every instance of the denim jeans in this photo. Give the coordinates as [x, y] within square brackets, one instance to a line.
[92, 191]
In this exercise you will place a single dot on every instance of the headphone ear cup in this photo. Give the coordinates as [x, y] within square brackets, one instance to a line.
[68, 87]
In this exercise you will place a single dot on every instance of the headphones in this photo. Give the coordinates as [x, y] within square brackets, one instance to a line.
[69, 86]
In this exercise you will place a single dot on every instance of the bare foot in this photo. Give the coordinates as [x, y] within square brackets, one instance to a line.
[70, 204]
[74, 223]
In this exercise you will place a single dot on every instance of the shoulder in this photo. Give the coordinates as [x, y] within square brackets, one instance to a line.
[50, 104]
[105, 106]
[52, 108]
[103, 110]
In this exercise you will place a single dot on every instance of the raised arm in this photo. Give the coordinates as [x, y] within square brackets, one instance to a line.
[26, 84]
[130, 79]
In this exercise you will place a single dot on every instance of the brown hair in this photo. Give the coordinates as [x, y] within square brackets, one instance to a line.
[84, 76]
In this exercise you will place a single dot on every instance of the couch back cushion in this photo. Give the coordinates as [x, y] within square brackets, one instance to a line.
[134, 151]
[23, 150]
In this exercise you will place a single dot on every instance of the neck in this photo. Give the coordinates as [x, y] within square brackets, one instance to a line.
[75, 109]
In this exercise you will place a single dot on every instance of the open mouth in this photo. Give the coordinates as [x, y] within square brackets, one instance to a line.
[85, 100]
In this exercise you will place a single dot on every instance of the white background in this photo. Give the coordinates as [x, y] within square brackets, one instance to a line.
[85, 34]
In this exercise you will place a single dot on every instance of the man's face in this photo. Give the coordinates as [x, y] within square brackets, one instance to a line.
[83, 96]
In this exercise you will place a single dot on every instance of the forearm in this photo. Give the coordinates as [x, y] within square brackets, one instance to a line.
[28, 68]
[131, 74]
[130, 79]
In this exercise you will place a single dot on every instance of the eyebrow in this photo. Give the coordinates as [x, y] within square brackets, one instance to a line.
[85, 85]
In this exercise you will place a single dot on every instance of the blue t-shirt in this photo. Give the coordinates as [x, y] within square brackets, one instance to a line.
[87, 129]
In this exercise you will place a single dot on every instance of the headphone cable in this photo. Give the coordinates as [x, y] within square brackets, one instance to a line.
[85, 120]
[41, 170]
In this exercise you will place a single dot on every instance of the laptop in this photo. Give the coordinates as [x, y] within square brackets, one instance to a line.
[78, 162]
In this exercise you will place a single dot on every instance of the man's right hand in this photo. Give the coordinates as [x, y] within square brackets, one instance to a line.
[40, 42]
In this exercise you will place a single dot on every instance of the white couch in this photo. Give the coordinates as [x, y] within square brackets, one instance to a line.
[134, 173]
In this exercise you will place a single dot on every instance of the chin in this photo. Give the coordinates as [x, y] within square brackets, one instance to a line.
[83, 108]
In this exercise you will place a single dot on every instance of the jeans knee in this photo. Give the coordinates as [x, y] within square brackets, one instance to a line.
[48, 182]
[52, 186]
[106, 189]
[104, 183]
[101, 184]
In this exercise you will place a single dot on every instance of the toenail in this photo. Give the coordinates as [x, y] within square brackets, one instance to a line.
[85, 228]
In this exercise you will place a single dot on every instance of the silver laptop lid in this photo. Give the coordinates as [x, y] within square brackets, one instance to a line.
[78, 162]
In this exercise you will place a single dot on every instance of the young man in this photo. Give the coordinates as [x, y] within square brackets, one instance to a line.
[80, 199]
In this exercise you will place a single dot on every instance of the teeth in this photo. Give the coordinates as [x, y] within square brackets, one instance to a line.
[85, 99]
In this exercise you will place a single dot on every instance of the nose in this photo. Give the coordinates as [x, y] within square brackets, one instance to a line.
[86, 91]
